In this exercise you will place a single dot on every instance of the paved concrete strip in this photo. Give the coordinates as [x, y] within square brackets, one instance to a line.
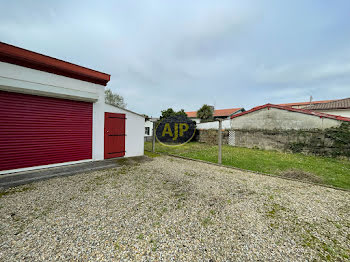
[33, 176]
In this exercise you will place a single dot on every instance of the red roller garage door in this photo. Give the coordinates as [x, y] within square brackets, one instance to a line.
[37, 130]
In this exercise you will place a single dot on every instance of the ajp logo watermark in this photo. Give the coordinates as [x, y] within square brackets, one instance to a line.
[175, 130]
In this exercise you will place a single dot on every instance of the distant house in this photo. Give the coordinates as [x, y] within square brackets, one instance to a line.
[219, 113]
[272, 117]
[286, 129]
[305, 104]
[149, 128]
[339, 107]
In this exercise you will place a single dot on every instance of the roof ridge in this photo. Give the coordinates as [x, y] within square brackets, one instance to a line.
[299, 110]
[229, 108]
[308, 102]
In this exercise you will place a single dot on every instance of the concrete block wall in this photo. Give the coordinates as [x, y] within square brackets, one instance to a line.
[210, 136]
[308, 142]
[327, 142]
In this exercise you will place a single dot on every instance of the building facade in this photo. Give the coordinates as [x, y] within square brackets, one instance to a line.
[275, 117]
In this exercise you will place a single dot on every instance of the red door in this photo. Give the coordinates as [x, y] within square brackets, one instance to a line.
[114, 135]
[38, 130]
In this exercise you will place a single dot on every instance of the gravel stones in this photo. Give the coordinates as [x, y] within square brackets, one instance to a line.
[172, 209]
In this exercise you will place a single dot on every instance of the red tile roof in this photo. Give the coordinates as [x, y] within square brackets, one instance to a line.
[298, 110]
[336, 104]
[218, 112]
[306, 103]
[22, 57]
[191, 114]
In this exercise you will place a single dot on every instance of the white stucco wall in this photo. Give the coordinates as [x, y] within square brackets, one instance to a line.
[98, 126]
[135, 130]
[197, 120]
[274, 118]
[20, 79]
[226, 124]
[340, 112]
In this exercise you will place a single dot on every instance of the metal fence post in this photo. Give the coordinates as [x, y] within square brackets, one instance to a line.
[220, 141]
[154, 137]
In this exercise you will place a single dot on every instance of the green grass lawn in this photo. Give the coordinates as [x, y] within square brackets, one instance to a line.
[329, 171]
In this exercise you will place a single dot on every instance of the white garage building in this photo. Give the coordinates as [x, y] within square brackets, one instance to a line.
[53, 113]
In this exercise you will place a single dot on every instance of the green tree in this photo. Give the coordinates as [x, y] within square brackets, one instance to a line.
[170, 112]
[166, 113]
[114, 99]
[181, 113]
[205, 113]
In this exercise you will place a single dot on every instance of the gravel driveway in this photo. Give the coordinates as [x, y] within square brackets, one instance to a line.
[170, 209]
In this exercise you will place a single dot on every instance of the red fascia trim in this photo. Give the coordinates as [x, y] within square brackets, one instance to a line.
[22, 57]
[303, 111]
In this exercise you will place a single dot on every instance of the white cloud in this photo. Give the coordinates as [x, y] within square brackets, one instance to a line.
[182, 53]
[302, 73]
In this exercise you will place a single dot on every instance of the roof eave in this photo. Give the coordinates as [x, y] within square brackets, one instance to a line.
[22, 57]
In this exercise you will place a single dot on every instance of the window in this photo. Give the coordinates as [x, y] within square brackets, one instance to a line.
[147, 131]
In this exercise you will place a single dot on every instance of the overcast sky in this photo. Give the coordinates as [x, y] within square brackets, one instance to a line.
[183, 54]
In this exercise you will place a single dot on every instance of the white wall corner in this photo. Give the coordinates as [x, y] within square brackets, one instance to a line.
[98, 126]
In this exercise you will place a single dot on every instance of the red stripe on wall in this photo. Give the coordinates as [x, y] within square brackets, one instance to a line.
[37, 130]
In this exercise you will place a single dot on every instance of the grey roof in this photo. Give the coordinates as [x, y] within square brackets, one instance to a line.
[337, 104]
